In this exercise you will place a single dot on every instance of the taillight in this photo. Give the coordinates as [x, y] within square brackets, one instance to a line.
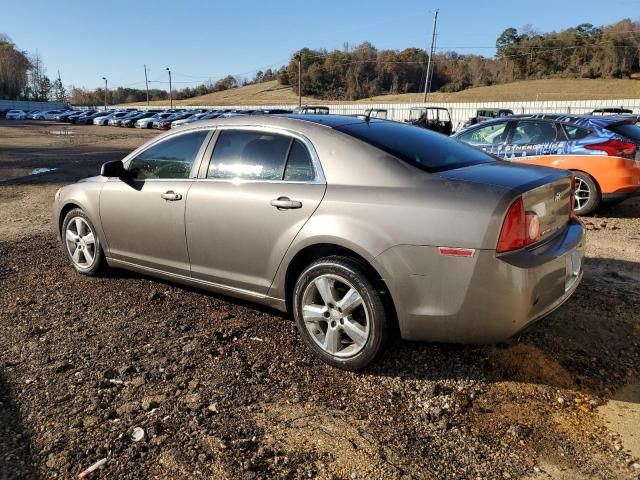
[519, 228]
[614, 148]
[512, 232]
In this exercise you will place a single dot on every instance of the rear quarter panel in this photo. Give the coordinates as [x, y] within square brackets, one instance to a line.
[612, 174]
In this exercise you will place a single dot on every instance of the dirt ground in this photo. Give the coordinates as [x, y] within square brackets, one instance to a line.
[225, 389]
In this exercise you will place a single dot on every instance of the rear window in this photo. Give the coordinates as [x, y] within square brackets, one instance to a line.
[629, 130]
[417, 146]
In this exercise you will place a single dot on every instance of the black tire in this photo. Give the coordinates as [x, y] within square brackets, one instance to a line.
[94, 267]
[593, 198]
[355, 273]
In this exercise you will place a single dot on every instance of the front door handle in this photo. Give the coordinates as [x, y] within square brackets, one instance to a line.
[171, 196]
[285, 203]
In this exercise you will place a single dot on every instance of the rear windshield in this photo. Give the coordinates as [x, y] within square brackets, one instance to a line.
[629, 130]
[420, 147]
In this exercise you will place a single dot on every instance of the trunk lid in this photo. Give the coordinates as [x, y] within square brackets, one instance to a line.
[508, 175]
[551, 202]
[545, 191]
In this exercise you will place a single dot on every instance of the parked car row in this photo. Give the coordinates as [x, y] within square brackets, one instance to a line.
[129, 118]
[32, 114]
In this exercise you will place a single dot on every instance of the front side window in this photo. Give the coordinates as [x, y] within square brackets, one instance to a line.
[492, 134]
[250, 155]
[171, 158]
[534, 133]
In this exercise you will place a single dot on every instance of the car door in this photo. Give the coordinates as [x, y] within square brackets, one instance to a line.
[143, 214]
[489, 137]
[254, 195]
[530, 138]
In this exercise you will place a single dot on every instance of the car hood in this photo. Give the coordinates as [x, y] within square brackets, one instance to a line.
[507, 175]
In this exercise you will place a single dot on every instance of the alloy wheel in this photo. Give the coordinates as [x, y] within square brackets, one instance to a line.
[81, 242]
[335, 315]
[582, 193]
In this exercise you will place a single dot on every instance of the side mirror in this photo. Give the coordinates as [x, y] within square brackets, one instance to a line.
[112, 169]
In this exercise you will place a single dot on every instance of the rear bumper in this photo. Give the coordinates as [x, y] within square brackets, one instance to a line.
[485, 298]
[619, 196]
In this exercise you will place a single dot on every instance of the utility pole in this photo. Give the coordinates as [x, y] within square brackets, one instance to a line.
[60, 94]
[299, 79]
[170, 90]
[106, 89]
[430, 66]
[147, 82]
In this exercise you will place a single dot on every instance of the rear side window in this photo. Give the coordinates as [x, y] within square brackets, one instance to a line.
[493, 134]
[260, 156]
[575, 133]
[417, 146]
[249, 155]
[629, 130]
[299, 167]
[534, 133]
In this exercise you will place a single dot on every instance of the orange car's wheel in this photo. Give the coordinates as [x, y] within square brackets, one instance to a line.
[587, 194]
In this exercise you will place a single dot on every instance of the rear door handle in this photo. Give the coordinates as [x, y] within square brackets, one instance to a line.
[285, 203]
[171, 196]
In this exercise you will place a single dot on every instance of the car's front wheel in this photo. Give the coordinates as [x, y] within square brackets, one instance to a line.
[81, 243]
[339, 312]
[587, 195]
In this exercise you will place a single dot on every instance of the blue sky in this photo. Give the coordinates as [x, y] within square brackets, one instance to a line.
[87, 40]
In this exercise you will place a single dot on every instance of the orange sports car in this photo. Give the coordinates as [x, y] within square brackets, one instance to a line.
[602, 151]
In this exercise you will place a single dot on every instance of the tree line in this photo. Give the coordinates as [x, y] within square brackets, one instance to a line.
[584, 51]
[23, 76]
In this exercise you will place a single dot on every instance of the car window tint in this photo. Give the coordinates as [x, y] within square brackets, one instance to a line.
[532, 133]
[575, 133]
[249, 155]
[171, 158]
[417, 146]
[492, 134]
[299, 167]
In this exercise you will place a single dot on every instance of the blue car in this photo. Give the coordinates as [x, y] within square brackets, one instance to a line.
[602, 151]
[548, 134]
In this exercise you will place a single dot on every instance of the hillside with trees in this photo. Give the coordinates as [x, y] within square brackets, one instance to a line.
[585, 51]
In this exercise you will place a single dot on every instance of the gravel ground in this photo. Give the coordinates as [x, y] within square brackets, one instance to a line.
[225, 389]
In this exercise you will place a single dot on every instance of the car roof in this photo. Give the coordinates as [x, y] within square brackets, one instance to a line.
[428, 108]
[593, 120]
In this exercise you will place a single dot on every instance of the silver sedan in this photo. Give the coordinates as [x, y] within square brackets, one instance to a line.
[357, 227]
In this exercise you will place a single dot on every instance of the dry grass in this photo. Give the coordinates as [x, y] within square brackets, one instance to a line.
[272, 93]
[548, 89]
[267, 93]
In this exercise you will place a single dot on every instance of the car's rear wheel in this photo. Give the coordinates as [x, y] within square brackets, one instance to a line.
[339, 312]
[81, 243]
[587, 194]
